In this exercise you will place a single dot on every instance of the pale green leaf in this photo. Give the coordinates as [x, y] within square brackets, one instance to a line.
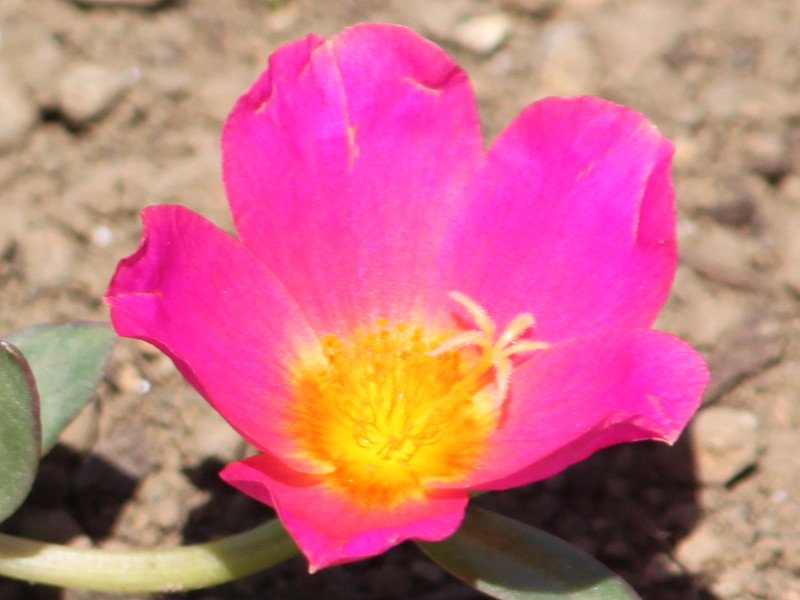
[67, 361]
[509, 560]
[19, 429]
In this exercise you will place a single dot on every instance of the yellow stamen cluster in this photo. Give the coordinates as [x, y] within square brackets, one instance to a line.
[393, 407]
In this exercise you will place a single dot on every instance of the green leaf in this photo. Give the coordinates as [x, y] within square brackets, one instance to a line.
[68, 361]
[509, 560]
[19, 429]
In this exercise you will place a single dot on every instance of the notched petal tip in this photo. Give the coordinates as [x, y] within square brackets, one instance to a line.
[430, 68]
[141, 273]
[116, 285]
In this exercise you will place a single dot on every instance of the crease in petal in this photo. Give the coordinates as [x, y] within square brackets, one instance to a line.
[571, 218]
[231, 329]
[361, 147]
[331, 530]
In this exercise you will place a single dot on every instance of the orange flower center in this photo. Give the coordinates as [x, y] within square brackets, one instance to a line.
[394, 407]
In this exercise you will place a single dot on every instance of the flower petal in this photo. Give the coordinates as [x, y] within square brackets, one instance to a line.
[201, 297]
[572, 219]
[588, 393]
[344, 163]
[331, 530]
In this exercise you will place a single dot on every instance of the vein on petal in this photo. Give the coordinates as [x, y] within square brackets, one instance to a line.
[655, 402]
[350, 127]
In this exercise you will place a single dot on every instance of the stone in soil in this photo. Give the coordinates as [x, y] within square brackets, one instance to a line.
[699, 548]
[726, 443]
[567, 62]
[36, 58]
[767, 153]
[87, 91]
[636, 34]
[741, 353]
[437, 19]
[18, 112]
[484, 34]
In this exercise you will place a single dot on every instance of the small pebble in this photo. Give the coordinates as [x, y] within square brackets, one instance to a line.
[779, 496]
[435, 19]
[725, 443]
[88, 91]
[695, 313]
[130, 380]
[568, 65]
[636, 34]
[723, 254]
[485, 33]
[737, 212]
[36, 57]
[687, 151]
[767, 153]
[18, 113]
[698, 548]
[102, 236]
[49, 254]
[741, 353]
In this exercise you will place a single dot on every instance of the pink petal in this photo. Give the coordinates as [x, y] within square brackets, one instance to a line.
[581, 395]
[572, 219]
[343, 164]
[201, 297]
[328, 528]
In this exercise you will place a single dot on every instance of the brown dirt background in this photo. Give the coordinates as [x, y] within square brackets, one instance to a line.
[106, 108]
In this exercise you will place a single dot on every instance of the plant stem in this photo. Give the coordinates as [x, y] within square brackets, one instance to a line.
[168, 570]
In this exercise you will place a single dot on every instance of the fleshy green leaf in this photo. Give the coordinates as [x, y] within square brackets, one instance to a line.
[509, 560]
[19, 429]
[67, 361]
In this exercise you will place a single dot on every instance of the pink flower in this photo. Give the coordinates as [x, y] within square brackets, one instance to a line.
[404, 316]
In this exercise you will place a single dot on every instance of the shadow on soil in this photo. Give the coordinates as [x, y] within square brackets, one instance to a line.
[628, 506]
